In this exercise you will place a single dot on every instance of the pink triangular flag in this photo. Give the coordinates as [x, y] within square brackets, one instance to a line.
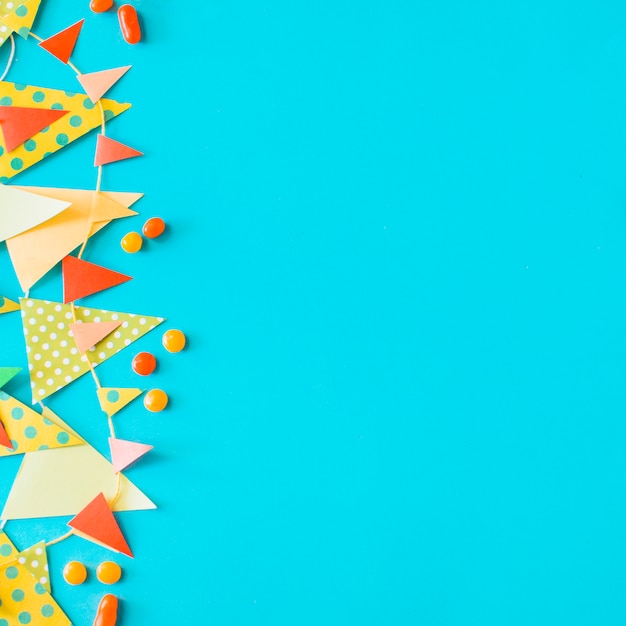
[88, 334]
[108, 151]
[96, 84]
[123, 452]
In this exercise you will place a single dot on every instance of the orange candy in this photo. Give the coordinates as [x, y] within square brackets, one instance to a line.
[155, 400]
[144, 364]
[153, 227]
[129, 23]
[100, 6]
[107, 611]
[75, 573]
[108, 572]
[131, 242]
[174, 340]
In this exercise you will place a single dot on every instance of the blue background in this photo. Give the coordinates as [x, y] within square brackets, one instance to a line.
[397, 244]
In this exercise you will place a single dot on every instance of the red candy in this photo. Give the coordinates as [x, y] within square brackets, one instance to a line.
[144, 364]
[100, 6]
[153, 227]
[107, 611]
[129, 23]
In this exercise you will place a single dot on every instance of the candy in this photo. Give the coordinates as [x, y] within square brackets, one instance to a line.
[108, 572]
[75, 573]
[174, 340]
[144, 364]
[153, 227]
[131, 242]
[107, 611]
[155, 400]
[100, 6]
[129, 23]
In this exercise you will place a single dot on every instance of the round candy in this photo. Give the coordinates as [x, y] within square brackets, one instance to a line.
[155, 400]
[144, 364]
[100, 6]
[75, 573]
[153, 227]
[108, 572]
[174, 340]
[131, 242]
[129, 23]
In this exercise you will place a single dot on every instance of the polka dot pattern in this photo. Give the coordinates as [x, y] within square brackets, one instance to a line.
[35, 560]
[17, 17]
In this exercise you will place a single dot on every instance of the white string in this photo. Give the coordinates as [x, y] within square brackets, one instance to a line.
[3, 523]
[11, 56]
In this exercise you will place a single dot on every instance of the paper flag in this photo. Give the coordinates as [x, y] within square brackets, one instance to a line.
[124, 453]
[5, 440]
[53, 483]
[103, 209]
[8, 306]
[82, 117]
[114, 399]
[88, 334]
[108, 151]
[35, 560]
[55, 343]
[96, 84]
[35, 252]
[21, 210]
[81, 278]
[8, 551]
[7, 373]
[21, 123]
[29, 430]
[62, 44]
[96, 523]
[17, 17]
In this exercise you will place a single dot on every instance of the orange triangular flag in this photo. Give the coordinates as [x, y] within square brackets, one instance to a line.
[81, 278]
[62, 44]
[21, 123]
[108, 151]
[96, 523]
[88, 334]
[96, 84]
[123, 452]
[5, 440]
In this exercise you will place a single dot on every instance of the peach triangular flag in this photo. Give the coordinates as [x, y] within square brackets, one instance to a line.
[96, 84]
[88, 334]
[104, 209]
[62, 44]
[114, 399]
[108, 151]
[124, 453]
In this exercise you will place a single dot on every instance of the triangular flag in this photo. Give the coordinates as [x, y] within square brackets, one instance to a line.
[35, 560]
[35, 252]
[88, 334]
[22, 210]
[83, 116]
[29, 430]
[8, 551]
[62, 44]
[124, 453]
[8, 306]
[5, 440]
[96, 522]
[65, 363]
[19, 19]
[108, 151]
[96, 84]
[104, 209]
[114, 399]
[7, 373]
[53, 483]
[81, 278]
[21, 123]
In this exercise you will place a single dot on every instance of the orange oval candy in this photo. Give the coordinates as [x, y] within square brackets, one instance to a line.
[107, 611]
[144, 364]
[75, 573]
[155, 400]
[174, 340]
[108, 572]
[129, 23]
[131, 242]
[100, 6]
[153, 227]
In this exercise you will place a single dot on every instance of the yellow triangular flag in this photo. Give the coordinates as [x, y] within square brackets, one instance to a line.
[7, 306]
[114, 399]
[17, 17]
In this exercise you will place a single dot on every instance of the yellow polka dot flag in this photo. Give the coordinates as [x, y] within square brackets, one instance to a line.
[53, 358]
[35, 560]
[8, 306]
[30, 431]
[83, 116]
[114, 399]
[17, 17]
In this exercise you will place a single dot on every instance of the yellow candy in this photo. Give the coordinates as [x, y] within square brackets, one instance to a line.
[75, 573]
[155, 400]
[174, 340]
[132, 242]
[108, 572]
